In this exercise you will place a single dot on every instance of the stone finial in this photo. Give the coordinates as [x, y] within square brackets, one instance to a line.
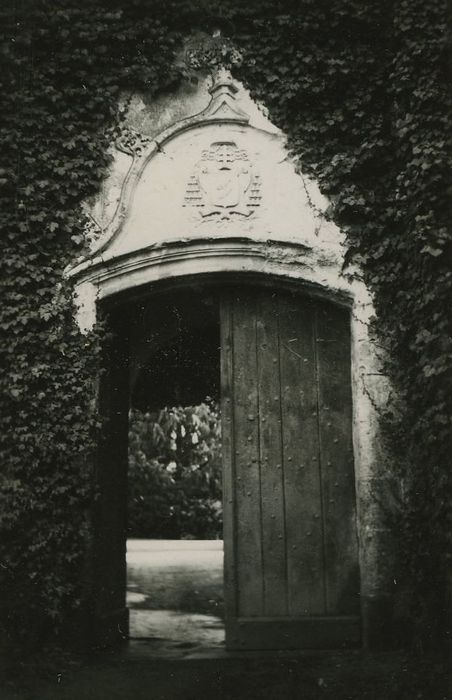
[223, 105]
[222, 83]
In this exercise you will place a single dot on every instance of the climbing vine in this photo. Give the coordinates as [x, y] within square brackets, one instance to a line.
[66, 64]
[360, 88]
[362, 92]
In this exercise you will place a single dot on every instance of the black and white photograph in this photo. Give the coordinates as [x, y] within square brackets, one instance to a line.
[226, 355]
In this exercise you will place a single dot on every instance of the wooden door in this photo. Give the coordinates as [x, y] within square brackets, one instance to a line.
[291, 560]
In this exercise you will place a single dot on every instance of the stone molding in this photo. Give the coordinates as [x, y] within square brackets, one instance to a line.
[311, 267]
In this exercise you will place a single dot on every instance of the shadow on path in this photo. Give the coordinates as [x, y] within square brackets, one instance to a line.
[175, 593]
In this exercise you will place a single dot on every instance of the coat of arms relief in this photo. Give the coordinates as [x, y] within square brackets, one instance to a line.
[223, 184]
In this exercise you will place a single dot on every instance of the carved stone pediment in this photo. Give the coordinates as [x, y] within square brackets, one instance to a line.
[222, 171]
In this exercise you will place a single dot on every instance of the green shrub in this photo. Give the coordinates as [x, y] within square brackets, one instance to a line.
[175, 473]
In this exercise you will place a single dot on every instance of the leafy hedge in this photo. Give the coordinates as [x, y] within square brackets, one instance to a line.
[64, 66]
[175, 473]
[361, 89]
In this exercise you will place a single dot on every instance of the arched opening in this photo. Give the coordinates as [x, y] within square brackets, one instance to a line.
[289, 508]
[175, 547]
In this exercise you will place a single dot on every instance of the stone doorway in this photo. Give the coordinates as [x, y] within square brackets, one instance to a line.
[291, 553]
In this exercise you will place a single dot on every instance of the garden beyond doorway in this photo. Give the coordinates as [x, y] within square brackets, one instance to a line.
[175, 548]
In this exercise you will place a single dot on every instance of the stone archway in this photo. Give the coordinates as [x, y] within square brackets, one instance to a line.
[290, 532]
[215, 196]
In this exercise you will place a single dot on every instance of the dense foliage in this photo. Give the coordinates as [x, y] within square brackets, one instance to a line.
[175, 473]
[63, 68]
[361, 89]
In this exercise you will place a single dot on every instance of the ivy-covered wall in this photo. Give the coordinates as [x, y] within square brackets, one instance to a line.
[361, 89]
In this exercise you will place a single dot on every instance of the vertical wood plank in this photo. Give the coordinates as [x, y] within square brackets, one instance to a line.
[271, 456]
[247, 486]
[304, 523]
[289, 514]
[338, 484]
